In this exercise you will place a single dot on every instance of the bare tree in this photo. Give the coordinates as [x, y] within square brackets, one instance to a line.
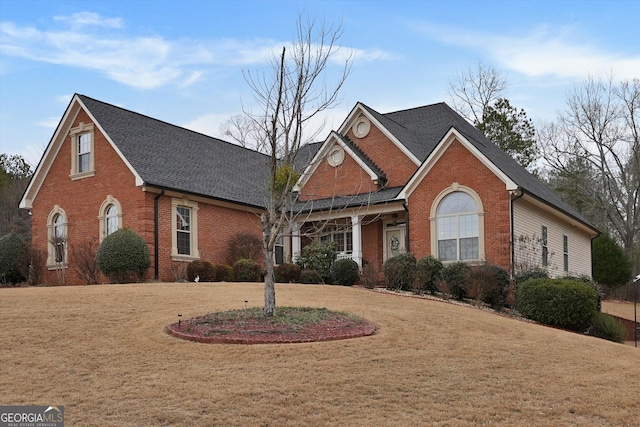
[475, 89]
[293, 92]
[601, 128]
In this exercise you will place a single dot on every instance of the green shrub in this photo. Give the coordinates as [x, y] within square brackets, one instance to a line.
[607, 327]
[345, 272]
[14, 256]
[428, 271]
[558, 302]
[222, 273]
[318, 256]
[123, 256]
[456, 276]
[246, 270]
[310, 277]
[610, 264]
[399, 272]
[490, 284]
[524, 275]
[203, 270]
[287, 273]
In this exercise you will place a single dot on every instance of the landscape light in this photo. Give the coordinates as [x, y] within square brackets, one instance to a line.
[179, 319]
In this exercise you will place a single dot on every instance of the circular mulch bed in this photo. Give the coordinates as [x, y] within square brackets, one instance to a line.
[250, 327]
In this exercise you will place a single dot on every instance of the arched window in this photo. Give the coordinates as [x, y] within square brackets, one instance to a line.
[110, 216]
[458, 228]
[57, 236]
[111, 219]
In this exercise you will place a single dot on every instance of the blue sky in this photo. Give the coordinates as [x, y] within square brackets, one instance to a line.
[183, 61]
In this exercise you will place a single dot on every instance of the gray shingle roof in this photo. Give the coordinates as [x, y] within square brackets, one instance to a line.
[336, 203]
[172, 157]
[421, 129]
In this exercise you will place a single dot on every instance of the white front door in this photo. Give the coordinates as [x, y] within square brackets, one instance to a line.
[394, 241]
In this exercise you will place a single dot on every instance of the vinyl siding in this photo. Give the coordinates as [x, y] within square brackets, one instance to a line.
[528, 221]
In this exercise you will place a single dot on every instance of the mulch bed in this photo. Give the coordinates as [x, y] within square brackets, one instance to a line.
[258, 330]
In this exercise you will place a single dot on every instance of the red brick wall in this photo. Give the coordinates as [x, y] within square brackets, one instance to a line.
[457, 164]
[346, 179]
[386, 155]
[81, 200]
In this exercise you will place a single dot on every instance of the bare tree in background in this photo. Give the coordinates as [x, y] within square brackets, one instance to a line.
[474, 90]
[477, 94]
[293, 91]
[600, 128]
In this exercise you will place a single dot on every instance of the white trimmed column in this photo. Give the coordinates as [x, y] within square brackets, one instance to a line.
[356, 232]
[295, 242]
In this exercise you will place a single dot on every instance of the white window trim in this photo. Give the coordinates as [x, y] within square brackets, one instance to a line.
[195, 252]
[102, 215]
[75, 133]
[433, 220]
[51, 250]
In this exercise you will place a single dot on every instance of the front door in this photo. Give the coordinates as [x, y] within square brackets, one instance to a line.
[394, 241]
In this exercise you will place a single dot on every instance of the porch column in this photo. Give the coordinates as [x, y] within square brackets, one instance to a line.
[295, 242]
[356, 232]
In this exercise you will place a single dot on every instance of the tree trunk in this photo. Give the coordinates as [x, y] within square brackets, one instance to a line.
[269, 309]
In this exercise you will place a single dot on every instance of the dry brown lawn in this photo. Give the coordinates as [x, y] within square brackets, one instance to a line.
[622, 309]
[101, 352]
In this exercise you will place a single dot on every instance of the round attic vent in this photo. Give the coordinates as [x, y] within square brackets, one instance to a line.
[335, 157]
[361, 127]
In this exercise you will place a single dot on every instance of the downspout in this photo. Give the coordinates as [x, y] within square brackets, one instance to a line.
[156, 245]
[518, 194]
[406, 235]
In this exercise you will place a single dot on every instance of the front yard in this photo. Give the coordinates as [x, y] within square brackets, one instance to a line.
[101, 351]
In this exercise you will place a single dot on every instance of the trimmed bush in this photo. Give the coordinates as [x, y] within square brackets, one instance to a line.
[14, 256]
[456, 276]
[223, 273]
[399, 272]
[490, 284]
[524, 275]
[246, 270]
[607, 327]
[558, 302]
[287, 273]
[428, 271]
[318, 256]
[123, 256]
[345, 272]
[310, 277]
[195, 269]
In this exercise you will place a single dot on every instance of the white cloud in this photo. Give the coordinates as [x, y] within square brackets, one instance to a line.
[544, 51]
[51, 122]
[145, 62]
[81, 19]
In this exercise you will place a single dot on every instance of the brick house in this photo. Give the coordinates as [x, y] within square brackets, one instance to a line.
[421, 180]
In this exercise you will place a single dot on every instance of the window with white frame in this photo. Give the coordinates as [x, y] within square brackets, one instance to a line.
[341, 236]
[57, 238]
[82, 151]
[565, 253]
[184, 229]
[110, 216]
[279, 251]
[458, 228]
[545, 247]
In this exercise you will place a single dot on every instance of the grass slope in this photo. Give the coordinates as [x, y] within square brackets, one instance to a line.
[101, 352]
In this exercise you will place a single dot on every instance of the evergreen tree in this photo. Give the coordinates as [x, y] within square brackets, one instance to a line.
[610, 264]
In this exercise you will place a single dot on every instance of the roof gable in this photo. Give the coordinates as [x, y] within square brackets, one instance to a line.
[349, 148]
